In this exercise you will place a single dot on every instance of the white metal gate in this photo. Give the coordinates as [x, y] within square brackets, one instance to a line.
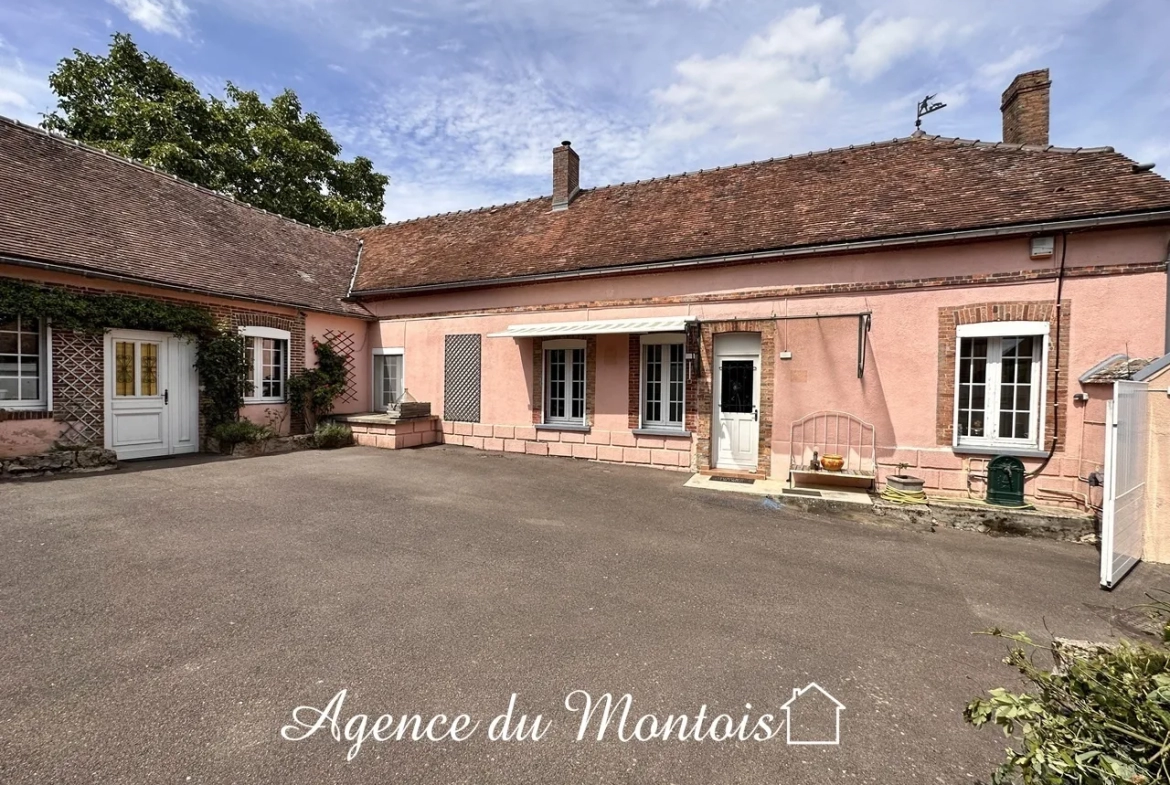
[1124, 507]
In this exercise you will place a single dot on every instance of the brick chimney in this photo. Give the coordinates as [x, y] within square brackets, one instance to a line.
[1025, 108]
[566, 176]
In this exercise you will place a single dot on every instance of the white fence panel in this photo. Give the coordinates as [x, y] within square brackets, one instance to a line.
[1124, 510]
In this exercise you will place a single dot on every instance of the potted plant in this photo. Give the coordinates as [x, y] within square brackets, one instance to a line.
[904, 483]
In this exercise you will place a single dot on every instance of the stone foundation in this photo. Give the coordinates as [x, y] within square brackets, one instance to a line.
[666, 451]
[87, 459]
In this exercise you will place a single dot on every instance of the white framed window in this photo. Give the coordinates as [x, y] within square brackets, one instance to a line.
[24, 375]
[663, 381]
[389, 373]
[564, 383]
[267, 352]
[1000, 385]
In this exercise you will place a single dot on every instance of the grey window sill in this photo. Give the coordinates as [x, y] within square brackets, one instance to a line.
[1019, 452]
[553, 426]
[661, 432]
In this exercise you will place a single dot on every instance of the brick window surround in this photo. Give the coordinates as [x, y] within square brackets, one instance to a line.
[704, 393]
[950, 317]
[590, 377]
[691, 385]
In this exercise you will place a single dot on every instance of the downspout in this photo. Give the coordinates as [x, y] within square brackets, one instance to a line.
[1056, 356]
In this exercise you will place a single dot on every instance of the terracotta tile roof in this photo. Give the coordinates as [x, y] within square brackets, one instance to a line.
[77, 207]
[903, 187]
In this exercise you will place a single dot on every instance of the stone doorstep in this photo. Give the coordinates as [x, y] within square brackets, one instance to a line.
[967, 515]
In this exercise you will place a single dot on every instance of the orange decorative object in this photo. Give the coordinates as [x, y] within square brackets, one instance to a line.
[832, 463]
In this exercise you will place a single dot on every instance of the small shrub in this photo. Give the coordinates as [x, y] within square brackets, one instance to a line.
[1101, 718]
[331, 435]
[229, 434]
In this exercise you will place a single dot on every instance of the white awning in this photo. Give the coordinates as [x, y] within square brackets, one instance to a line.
[658, 324]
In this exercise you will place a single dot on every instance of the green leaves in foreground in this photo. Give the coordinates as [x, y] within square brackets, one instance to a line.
[1102, 716]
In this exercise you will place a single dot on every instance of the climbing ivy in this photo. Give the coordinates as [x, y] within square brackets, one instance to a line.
[220, 357]
[222, 363]
[96, 313]
[312, 391]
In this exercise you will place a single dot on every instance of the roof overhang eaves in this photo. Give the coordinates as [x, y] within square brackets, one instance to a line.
[933, 238]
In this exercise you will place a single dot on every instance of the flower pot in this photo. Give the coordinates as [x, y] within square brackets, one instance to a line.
[832, 463]
[904, 483]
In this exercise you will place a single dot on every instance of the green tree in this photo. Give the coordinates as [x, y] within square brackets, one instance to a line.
[270, 155]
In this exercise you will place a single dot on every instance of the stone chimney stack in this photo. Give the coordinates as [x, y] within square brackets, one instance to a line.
[566, 176]
[1025, 109]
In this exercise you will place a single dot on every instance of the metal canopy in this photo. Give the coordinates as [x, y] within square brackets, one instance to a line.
[659, 324]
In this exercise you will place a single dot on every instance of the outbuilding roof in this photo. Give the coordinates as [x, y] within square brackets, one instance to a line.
[905, 187]
[80, 209]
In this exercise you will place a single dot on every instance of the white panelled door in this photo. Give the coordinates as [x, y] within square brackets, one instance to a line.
[737, 401]
[1123, 513]
[151, 394]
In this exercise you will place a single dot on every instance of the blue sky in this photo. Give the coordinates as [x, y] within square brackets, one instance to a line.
[461, 101]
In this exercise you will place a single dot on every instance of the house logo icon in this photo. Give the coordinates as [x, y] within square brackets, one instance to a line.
[813, 716]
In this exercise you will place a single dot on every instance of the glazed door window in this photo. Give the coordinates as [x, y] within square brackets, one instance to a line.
[136, 369]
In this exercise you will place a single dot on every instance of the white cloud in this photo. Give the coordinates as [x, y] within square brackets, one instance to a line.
[883, 42]
[157, 16]
[23, 95]
[1000, 72]
[776, 78]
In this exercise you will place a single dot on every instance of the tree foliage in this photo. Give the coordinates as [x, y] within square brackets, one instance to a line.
[271, 155]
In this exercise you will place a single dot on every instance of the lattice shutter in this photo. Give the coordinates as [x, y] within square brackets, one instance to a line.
[461, 378]
[79, 386]
[343, 343]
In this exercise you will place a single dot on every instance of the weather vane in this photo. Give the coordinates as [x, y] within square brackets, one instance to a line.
[925, 107]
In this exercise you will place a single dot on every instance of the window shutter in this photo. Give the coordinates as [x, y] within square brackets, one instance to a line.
[461, 378]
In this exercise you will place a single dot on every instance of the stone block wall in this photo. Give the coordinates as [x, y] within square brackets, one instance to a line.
[668, 452]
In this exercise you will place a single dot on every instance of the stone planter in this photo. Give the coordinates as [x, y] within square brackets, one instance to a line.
[905, 483]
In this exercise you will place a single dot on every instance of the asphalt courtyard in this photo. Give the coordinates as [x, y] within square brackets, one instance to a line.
[162, 623]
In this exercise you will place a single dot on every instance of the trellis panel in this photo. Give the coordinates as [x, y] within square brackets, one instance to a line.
[461, 377]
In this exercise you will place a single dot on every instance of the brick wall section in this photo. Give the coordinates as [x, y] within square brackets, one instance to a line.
[704, 393]
[590, 377]
[1029, 311]
[296, 346]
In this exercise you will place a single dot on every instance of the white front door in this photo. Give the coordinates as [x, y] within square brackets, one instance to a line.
[151, 394]
[737, 402]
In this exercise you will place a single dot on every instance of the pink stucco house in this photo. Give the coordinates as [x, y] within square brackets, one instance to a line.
[922, 301]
